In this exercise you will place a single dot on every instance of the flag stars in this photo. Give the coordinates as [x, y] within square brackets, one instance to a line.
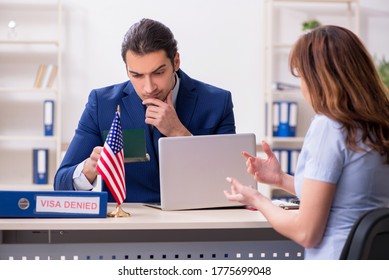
[114, 138]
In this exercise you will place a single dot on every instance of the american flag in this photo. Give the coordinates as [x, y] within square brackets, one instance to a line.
[111, 162]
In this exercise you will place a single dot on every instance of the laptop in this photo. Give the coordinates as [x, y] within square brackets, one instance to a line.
[193, 170]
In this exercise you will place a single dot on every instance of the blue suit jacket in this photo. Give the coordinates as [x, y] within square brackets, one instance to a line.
[202, 109]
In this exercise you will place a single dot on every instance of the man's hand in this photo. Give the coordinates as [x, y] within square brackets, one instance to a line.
[163, 116]
[89, 169]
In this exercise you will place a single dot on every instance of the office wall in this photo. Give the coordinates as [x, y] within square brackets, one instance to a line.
[219, 42]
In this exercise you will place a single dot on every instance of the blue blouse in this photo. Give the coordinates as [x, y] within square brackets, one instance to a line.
[361, 180]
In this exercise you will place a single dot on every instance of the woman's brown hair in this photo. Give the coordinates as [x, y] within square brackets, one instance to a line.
[344, 85]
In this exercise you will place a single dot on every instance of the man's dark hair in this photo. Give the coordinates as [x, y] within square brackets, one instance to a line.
[147, 36]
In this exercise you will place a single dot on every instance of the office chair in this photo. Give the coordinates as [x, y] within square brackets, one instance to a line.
[369, 237]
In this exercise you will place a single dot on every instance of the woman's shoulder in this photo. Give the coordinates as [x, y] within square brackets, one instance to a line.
[326, 129]
[322, 122]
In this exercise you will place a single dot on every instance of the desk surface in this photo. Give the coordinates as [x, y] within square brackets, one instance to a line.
[148, 218]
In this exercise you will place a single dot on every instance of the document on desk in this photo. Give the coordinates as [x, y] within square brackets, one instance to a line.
[285, 204]
[53, 204]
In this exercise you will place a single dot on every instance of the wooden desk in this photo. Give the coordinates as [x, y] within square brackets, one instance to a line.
[148, 234]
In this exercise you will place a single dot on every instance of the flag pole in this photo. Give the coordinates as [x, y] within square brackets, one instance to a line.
[118, 212]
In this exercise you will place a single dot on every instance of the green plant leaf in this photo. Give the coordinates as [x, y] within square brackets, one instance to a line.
[383, 71]
[310, 24]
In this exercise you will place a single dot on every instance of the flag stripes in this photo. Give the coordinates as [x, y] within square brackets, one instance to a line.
[111, 162]
[113, 176]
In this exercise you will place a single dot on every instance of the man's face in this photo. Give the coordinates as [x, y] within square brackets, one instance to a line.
[152, 75]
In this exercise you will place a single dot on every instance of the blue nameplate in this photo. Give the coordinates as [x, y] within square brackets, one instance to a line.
[53, 204]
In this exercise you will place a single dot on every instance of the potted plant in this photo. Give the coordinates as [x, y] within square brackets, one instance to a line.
[383, 71]
[310, 24]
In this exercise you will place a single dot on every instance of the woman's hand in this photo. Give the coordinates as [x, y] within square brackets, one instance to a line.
[267, 171]
[241, 193]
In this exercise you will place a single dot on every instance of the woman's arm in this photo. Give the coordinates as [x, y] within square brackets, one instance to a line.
[305, 226]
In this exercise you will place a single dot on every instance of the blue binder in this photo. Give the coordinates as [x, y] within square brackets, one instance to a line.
[287, 159]
[53, 204]
[283, 128]
[292, 118]
[40, 166]
[48, 112]
[293, 157]
[284, 118]
[276, 118]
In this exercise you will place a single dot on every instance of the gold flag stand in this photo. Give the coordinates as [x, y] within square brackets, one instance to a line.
[118, 213]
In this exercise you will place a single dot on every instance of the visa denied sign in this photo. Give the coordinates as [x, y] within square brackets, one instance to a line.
[67, 204]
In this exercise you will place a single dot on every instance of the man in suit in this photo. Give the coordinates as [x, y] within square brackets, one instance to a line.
[159, 97]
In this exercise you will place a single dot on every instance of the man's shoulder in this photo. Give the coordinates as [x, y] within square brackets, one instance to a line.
[113, 88]
[201, 86]
[112, 92]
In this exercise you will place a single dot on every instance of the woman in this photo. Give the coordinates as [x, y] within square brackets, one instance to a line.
[343, 169]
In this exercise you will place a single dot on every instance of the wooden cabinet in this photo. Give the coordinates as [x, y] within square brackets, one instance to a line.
[30, 38]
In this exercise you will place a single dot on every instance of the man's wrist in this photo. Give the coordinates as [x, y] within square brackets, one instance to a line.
[89, 173]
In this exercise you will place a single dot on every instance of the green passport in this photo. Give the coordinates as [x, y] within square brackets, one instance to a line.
[134, 145]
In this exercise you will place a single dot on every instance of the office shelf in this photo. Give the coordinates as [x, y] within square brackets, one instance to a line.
[26, 187]
[26, 89]
[28, 138]
[30, 36]
[29, 42]
[283, 26]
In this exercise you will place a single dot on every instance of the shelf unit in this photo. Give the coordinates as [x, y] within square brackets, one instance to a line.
[282, 26]
[30, 35]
